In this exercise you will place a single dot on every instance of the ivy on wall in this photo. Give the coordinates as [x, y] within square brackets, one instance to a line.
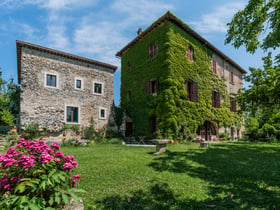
[172, 68]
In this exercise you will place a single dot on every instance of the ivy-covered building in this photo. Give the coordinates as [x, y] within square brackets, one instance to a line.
[175, 83]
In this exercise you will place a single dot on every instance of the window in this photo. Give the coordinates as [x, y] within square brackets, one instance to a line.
[152, 86]
[189, 54]
[214, 66]
[192, 90]
[78, 83]
[231, 77]
[51, 80]
[232, 105]
[128, 95]
[72, 114]
[97, 88]
[128, 66]
[102, 113]
[216, 99]
[152, 50]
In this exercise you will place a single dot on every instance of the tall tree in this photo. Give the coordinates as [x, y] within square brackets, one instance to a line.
[259, 19]
[257, 26]
[9, 101]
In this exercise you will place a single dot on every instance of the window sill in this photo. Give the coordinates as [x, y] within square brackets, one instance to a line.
[72, 123]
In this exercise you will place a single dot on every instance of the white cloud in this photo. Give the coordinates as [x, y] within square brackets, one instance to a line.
[48, 4]
[101, 41]
[67, 4]
[216, 21]
[17, 28]
[140, 11]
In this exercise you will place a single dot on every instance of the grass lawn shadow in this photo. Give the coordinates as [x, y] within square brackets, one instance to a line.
[245, 174]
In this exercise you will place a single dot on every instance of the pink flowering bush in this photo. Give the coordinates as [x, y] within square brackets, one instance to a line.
[36, 176]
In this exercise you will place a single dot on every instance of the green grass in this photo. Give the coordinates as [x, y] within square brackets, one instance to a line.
[223, 176]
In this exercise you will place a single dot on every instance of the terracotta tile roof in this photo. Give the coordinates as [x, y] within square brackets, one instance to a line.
[21, 44]
[170, 17]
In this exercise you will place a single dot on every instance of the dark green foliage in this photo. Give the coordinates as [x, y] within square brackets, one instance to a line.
[75, 128]
[89, 132]
[31, 131]
[113, 134]
[249, 26]
[118, 116]
[9, 101]
[171, 67]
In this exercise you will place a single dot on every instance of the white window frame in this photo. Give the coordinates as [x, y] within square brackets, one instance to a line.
[57, 80]
[82, 83]
[105, 113]
[79, 114]
[102, 88]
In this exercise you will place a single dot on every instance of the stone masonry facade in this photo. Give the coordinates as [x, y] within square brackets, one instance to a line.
[59, 88]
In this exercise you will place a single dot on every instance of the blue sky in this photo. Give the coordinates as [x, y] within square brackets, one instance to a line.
[98, 29]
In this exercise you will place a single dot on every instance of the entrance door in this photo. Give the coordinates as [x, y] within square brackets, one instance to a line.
[206, 130]
[128, 129]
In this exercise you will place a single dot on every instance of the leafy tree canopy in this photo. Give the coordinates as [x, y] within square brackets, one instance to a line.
[9, 101]
[256, 26]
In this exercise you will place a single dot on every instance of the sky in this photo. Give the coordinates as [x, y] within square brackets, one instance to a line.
[98, 29]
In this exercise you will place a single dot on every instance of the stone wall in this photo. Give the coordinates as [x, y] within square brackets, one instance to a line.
[47, 105]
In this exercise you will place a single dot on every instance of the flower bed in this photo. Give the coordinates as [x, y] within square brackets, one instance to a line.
[36, 176]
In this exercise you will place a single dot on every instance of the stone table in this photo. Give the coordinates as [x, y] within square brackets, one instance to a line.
[160, 145]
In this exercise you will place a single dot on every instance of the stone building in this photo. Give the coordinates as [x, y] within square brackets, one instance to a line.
[58, 88]
[173, 81]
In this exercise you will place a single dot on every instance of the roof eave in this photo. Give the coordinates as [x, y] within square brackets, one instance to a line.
[20, 44]
[170, 17]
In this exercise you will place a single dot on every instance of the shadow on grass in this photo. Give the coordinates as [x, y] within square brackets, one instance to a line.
[160, 197]
[249, 172]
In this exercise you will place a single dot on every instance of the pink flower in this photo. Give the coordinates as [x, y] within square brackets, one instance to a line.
[13, 179]
[67, 166]
[45, 157]
[55, 146]
[7, 187]
[59, 154]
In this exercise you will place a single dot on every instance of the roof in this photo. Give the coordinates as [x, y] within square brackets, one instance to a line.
[21, 44]
[170, 17]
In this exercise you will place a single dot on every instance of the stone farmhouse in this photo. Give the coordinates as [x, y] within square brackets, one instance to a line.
[174, 81]
[58, 88]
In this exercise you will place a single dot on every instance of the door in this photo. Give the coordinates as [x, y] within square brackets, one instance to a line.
[206, 130]
[128, 129]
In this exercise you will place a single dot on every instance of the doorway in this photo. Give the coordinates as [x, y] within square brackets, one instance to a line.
[208, 129]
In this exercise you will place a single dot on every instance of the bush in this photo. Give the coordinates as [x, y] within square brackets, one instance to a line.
[115, 141]
[36, 176]
[31, 131]
[75, 128]
[7, 117]
[11, 138]
[114, 134]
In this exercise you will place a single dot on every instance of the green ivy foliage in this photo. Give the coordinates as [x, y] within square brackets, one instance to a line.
[171, 67]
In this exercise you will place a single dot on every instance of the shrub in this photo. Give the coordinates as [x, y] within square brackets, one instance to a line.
[75, 128]
[224, 135]
[115, 141]
[36, 176]
[114, 134]
[31, 131]
[11, 138]
[7, 117]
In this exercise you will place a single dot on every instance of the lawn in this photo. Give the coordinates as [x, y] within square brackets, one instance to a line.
[224, 176]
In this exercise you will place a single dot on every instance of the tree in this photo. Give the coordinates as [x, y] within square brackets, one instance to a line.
[260, 18]
[9, 101]
[257, 26]
[118, 116]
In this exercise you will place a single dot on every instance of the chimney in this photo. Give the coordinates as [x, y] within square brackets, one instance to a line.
[139, 31]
